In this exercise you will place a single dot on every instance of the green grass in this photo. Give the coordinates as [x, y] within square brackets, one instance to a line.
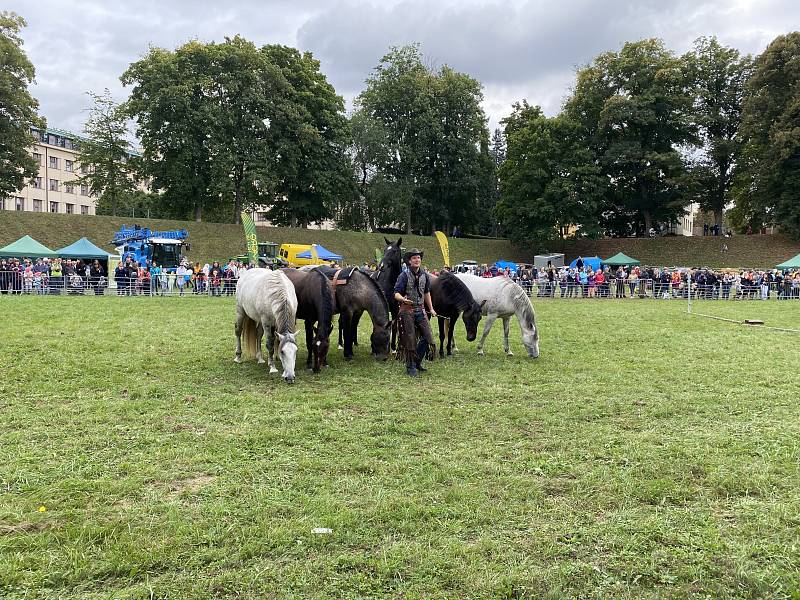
[215, 241]
[645, 454]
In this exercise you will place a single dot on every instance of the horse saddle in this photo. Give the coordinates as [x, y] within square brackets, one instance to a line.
[337, 276]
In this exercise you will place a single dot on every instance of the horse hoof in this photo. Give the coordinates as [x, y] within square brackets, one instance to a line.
[341, 347]
[509, 353]
[237, 359]
[261, 361]
[272, 370]
[480, 352]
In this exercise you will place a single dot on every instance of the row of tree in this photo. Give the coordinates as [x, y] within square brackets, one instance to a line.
[230, 126]
[646, 132]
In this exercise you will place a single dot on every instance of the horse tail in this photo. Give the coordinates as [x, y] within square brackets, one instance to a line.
[250, 336]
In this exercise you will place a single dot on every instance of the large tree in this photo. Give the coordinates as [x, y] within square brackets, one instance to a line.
[549, 181]
[635, 112]
[433, 125]
[17, 108]
[768, 182]
[105, 155]
[717, 74]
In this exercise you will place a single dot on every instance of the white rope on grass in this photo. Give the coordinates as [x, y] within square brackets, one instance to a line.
[737, 322]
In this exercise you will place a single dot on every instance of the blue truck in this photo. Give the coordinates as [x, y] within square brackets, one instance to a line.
[146, 246]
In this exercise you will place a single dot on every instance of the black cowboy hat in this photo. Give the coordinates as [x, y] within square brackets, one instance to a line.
[412, 252]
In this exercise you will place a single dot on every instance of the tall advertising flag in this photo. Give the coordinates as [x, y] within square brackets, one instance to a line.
[444, 246]
[251, 238]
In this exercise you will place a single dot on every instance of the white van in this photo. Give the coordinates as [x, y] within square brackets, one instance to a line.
[466, 266]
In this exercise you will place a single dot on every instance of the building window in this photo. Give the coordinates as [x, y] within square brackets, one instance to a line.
[84, 190]
[37, 206]
[37, 183]
[83, 169]
[53, 162]
[84, 209]
[54, 207]
[52, 140]
[262, 216]
[70, 188]
[37, 157]
[54, 185]
[19, 203]
[70, 209]
[68, 166]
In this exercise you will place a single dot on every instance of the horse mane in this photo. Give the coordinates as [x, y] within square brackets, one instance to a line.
[380, 291]
[327, 300]
[522, 304]
[283, 317]
[456, 290]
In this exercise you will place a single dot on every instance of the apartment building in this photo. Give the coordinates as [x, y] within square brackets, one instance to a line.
[52, 190]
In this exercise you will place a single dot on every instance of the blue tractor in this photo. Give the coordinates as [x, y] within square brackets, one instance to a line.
[146, 246]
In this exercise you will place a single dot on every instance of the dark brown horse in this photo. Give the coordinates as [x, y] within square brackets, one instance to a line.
[386, 276]
[315, 305]
[450, 298]
[360, 294]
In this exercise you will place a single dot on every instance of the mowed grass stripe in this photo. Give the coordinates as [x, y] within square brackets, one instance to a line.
[645, 454]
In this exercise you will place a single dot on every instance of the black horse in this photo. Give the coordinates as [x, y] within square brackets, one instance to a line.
[450, 298]
[315, 305]
[361, 293]
[386, 276]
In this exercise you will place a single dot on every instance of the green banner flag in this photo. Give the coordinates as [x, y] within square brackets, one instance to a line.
[251, 238]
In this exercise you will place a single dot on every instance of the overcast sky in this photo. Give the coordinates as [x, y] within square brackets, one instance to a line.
[516, 49]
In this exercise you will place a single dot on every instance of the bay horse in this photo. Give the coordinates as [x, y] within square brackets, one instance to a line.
[501, 297]
[266, 302]
[360, 294]
[315, 306]
[451, 298]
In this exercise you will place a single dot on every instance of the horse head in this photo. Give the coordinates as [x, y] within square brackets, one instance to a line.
[287, 348]
[380, 341]
[392, 256]
[530, 337]
[471, 317]
[321, 346]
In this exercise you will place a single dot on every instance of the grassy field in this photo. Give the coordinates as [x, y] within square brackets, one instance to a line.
[645, 454]
[217, 241]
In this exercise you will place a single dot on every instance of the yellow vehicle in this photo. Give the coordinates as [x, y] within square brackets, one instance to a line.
[300, 255]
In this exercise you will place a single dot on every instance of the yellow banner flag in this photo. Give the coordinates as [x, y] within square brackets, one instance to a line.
[251, 238]
[444, 246]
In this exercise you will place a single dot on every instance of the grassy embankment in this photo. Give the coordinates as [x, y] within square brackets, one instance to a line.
[215, 241]
[646, 454]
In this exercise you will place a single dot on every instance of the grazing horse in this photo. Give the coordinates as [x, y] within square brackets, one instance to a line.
[501, 297]
[266, 302]
[450, 298]
[315, 307]
[361, 293]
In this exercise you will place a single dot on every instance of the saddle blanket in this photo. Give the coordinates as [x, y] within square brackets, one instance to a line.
[340, 276]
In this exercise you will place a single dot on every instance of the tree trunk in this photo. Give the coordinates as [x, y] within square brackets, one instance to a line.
[648, 221]
[718, 214]
[198, 212]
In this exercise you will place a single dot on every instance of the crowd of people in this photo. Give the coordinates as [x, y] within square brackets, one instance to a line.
[54, 276]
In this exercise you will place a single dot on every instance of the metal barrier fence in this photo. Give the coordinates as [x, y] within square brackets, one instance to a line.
[659, 290]
[171, 285]
[77, 285]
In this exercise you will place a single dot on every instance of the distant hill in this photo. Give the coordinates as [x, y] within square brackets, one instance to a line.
[219, 241]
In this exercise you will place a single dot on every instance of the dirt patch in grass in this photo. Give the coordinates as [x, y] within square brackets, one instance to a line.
[6, 529]
[189, 485]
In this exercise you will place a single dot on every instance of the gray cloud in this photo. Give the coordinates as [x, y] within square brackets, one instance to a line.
[518, 49]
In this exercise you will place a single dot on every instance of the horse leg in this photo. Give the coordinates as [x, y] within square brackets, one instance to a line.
[238, 328]
[506, 323]
[486, 327]
[309, 341]
[451, 328]
[346, 321]
[341, 334]
[394, 326]
[441, 322]
[271, 349]
[259, 335]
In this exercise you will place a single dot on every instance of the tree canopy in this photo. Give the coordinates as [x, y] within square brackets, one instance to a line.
[18, 109]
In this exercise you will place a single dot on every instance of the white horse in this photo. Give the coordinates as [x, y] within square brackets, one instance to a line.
[266, 301]
[501, 297]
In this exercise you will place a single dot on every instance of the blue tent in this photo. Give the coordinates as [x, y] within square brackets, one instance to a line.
[502, 264]
[588, 261]
[322, 253]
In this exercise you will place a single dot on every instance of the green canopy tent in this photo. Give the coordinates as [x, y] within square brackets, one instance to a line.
[621, 260]
[83, 248]
[29, 248]
[792, 263]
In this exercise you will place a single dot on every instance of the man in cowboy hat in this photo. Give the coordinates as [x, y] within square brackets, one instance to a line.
[413, 293]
